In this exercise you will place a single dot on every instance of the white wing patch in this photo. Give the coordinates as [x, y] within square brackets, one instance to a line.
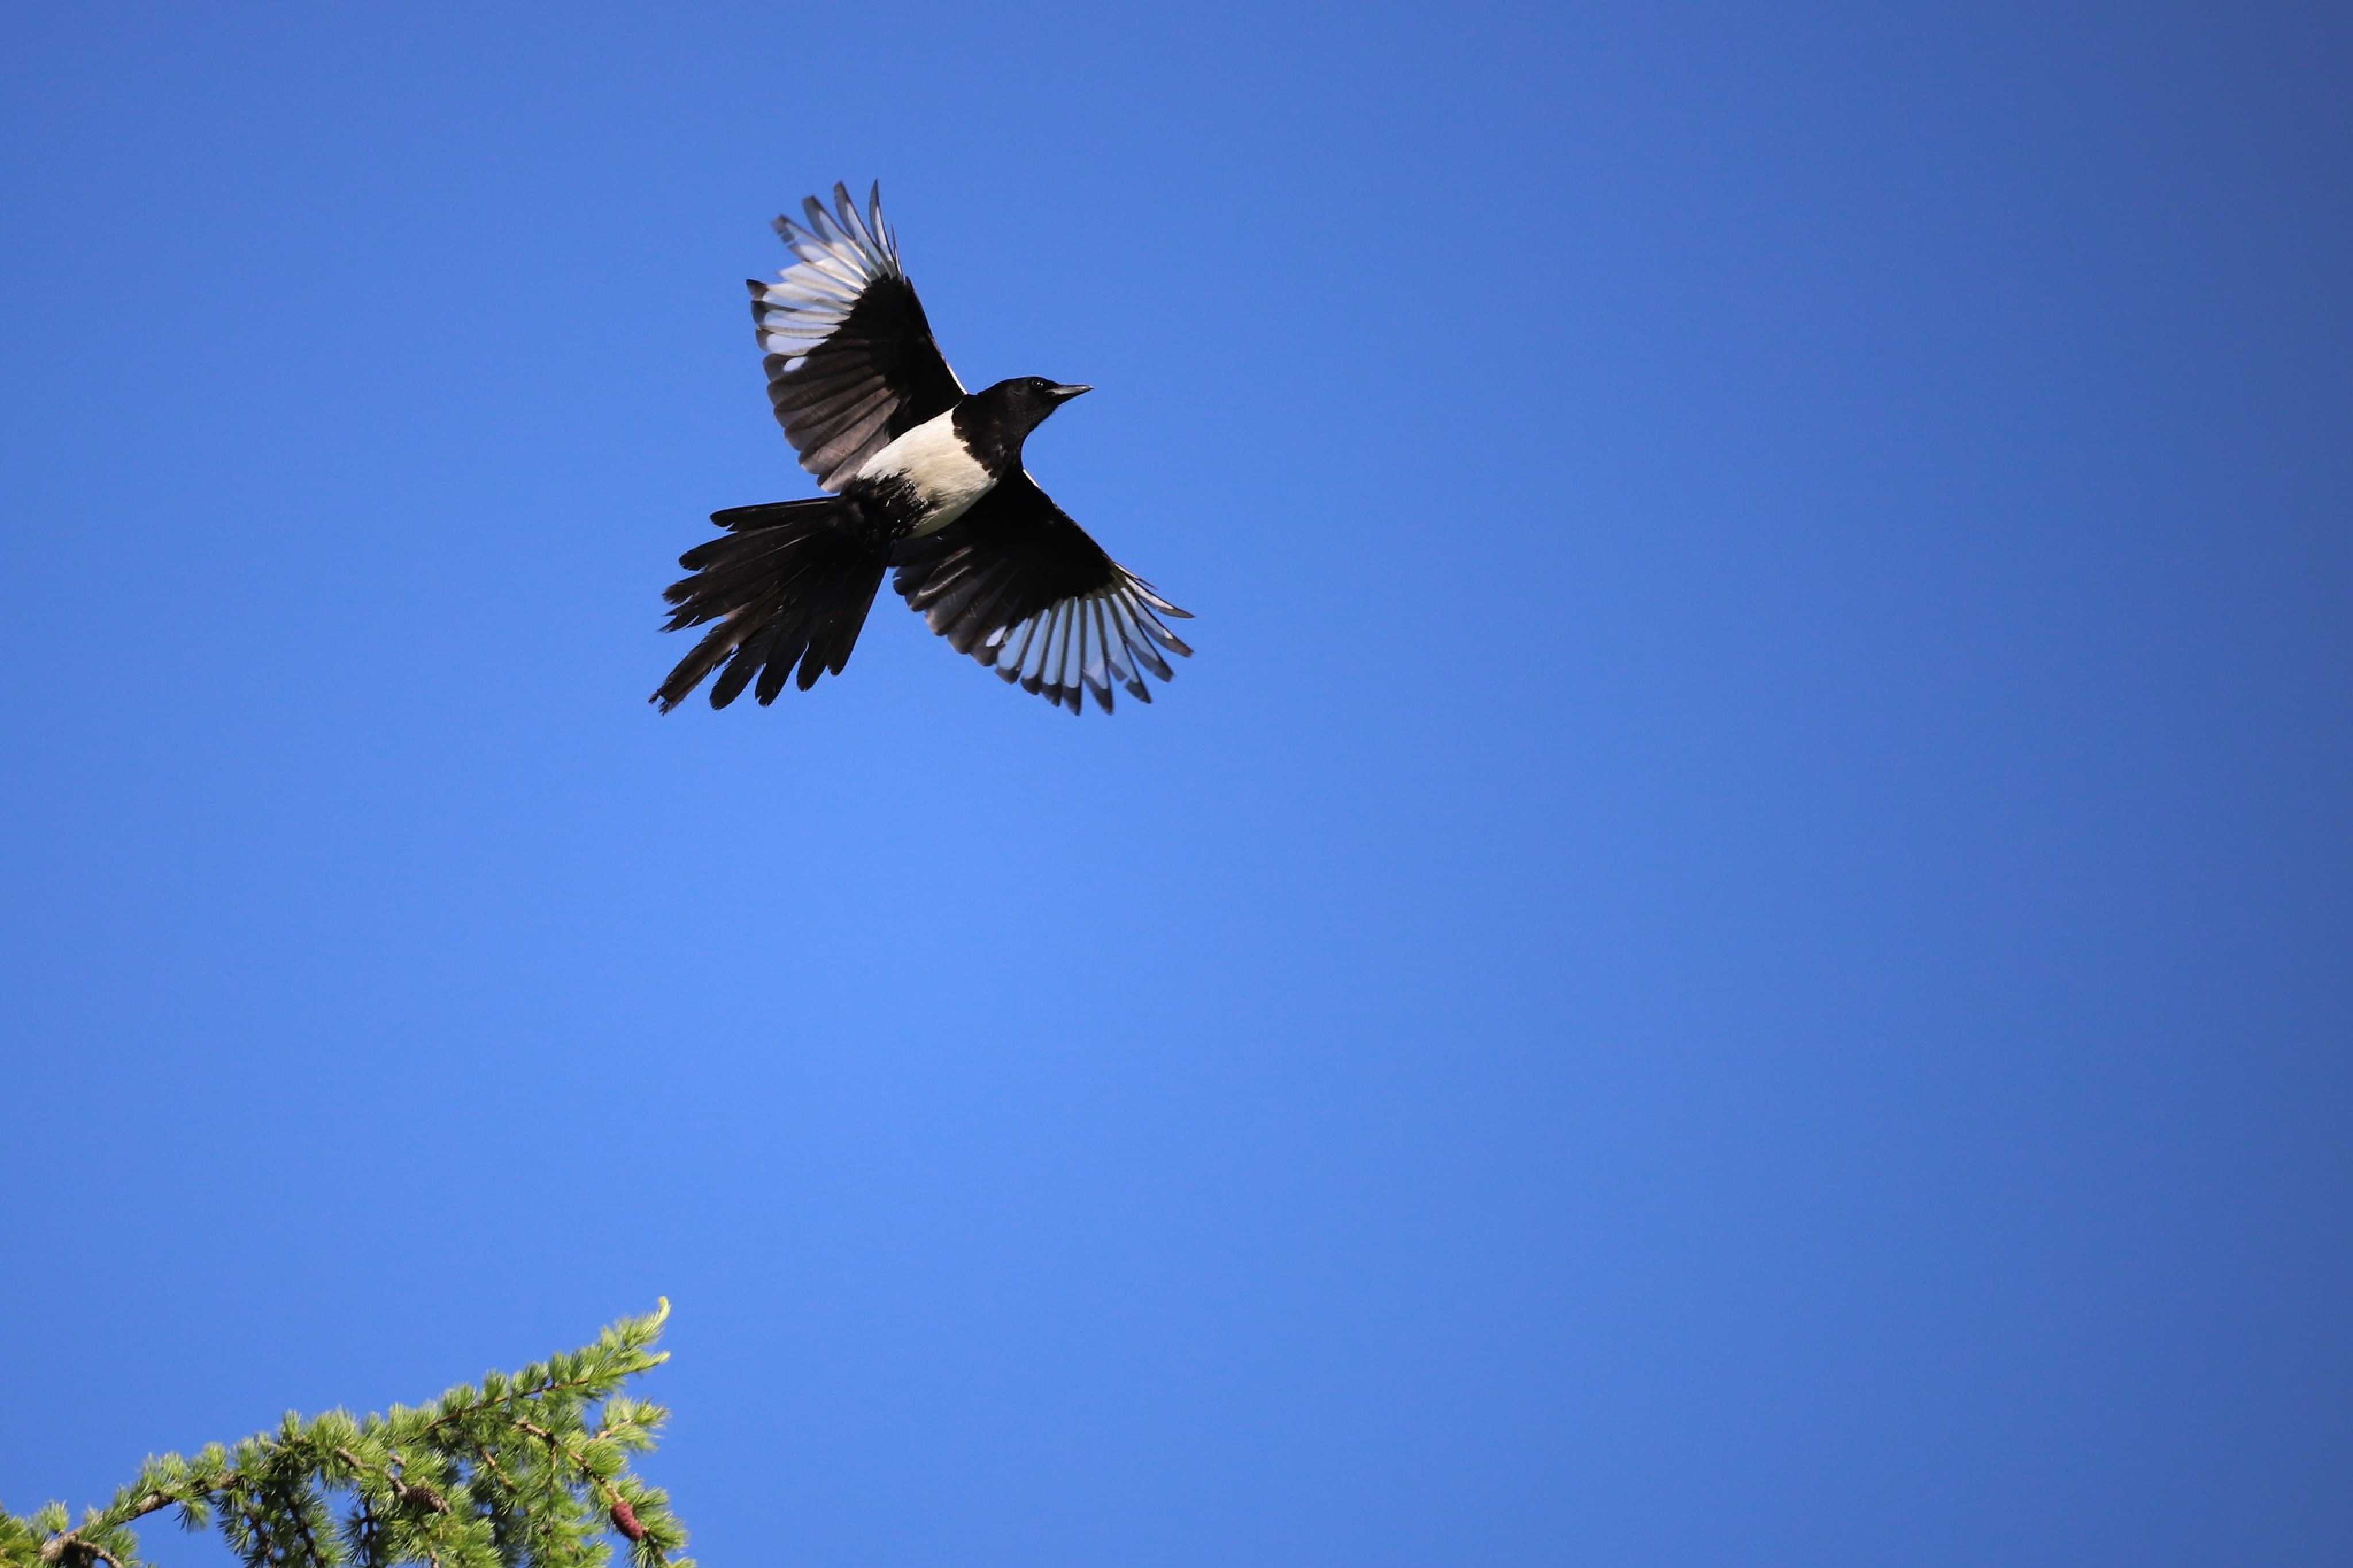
[1087, 643]
[838, 256]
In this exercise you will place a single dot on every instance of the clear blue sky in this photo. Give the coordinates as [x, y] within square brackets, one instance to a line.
[1737, 949]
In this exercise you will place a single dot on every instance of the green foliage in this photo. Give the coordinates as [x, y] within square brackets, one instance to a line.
[527, 1470]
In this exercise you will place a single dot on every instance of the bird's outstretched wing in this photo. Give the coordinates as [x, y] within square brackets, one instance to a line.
[852, 363]
[1020, 587]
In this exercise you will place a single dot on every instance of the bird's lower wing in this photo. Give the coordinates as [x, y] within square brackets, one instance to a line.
[1017, 585]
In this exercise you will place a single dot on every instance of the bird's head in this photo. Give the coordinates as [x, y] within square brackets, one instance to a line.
[1021, 405]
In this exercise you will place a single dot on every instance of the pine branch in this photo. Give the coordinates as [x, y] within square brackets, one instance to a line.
[537, 1462]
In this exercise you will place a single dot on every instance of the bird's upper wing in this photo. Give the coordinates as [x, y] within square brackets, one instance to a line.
[850, 359]
[1020, 587]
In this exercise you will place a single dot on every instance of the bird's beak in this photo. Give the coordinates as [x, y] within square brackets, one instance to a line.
[1064, 393]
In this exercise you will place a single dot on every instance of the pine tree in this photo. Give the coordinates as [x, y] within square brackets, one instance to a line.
[530, 1470]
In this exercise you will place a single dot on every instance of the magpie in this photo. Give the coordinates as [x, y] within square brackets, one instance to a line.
[923, 477]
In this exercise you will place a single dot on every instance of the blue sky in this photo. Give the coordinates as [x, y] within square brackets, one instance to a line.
[1734, 948]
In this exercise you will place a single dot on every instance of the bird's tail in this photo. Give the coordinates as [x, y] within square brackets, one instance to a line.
[789, 584]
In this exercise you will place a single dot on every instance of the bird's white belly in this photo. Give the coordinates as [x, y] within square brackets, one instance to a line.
[932, 462]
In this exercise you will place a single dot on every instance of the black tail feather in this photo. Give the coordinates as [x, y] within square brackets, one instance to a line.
[789, 585]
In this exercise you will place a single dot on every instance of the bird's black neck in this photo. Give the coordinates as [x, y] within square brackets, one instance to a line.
[992, 433]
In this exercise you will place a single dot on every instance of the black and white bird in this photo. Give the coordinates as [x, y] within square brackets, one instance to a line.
[926, 477]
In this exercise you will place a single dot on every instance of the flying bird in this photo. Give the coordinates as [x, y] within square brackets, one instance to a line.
[925, 478]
